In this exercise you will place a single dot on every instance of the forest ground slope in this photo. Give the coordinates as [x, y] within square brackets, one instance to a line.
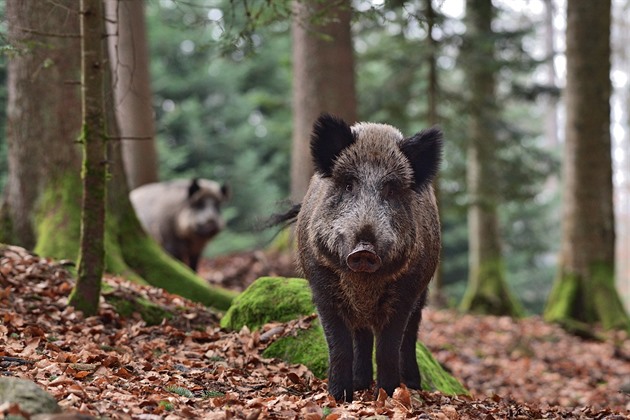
[187, 366]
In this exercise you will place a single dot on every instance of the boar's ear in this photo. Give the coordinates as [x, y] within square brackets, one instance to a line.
[424, 151]
[226, 191]
[193, 187]
[330, 136]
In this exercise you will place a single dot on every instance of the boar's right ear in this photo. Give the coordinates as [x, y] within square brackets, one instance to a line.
[424, 151]
[331, 135]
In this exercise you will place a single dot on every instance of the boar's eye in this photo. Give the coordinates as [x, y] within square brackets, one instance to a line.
[391, 189]
[349, 186]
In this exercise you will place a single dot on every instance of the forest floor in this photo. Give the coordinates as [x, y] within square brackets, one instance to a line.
[187, 366]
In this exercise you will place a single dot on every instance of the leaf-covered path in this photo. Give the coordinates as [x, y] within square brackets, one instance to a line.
[188, 367]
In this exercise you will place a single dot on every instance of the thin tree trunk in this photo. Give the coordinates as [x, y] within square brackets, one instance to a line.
[437, 293]
[323, 77]
[551, 101]
[487, 290]
[87, 290]
[129, 58]
[584, 291]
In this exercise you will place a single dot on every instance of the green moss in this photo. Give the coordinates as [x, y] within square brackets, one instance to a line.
[159, 269]
[269, 299]
[151, 313]
[282, 299]
[7, 235]
[487, 292]
[434, 377]
[607, 302]
[563, 293]
[58, 218]
[577, 302]
[308, 348]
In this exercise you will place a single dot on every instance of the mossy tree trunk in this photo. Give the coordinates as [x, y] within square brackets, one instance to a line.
[487, 291]
[41, 84]
[44, 157]
[87, 290]
[323, 77]
[584, 291]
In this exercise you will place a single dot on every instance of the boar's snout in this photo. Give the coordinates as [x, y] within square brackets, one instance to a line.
[363, 259]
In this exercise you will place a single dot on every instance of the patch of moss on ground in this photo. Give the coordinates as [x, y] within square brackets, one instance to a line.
[308, 348]
[283, 299]
[151, 313]
[269, 299]
[433, 376]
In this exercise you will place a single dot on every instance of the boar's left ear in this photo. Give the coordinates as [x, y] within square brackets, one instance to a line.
[424, 151]
[331, 135]
[193, 187]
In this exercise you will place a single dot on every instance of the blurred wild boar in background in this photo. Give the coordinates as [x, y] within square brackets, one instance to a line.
[181, 215]
[368, 236]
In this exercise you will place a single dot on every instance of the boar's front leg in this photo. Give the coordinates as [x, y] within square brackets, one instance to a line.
[408, 364]
[363, 341]
[388, 343]
[339, 340]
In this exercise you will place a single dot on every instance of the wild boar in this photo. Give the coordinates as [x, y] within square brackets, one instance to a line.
[368, 236]
[181, 215]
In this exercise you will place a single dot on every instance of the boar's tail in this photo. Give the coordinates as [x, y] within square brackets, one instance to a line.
[284, 219]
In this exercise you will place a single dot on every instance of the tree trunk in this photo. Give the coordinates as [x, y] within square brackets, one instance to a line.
[44, 157]
[487, 290]
[41, 83]
[86, 293]
[437, 297]
[129, 58]
[323, 77]
[584, 291]
[551, 101]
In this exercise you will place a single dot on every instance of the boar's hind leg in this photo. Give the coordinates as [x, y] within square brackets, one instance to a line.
[193, 261]
[363, 342]
[408, 363]
[339, 340]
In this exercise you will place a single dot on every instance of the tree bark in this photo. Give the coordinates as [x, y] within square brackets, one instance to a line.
[584, 291]
[41, 83]
[323, 77]
[129, 58]
[86, 293]
[437, 297]
[487, 290]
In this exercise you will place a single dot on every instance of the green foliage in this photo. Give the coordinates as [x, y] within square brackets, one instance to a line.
[223, 114]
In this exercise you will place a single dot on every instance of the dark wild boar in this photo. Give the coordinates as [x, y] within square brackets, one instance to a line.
[368, 237]
[181, 215]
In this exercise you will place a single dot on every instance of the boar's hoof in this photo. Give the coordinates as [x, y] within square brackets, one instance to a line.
[363, 259]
